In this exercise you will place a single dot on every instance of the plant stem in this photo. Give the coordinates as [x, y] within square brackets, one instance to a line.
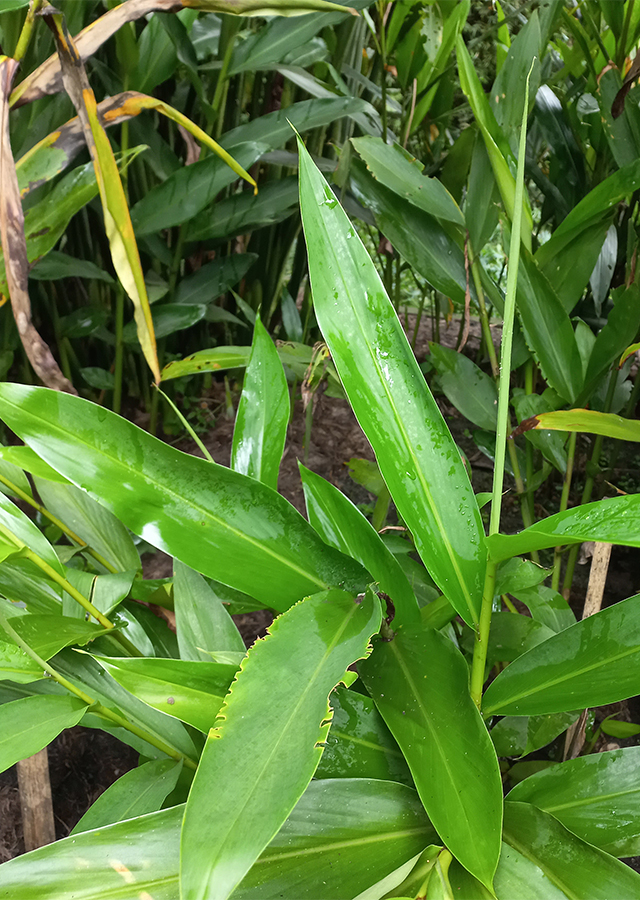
[383, 75]
[27, 29]
[118, 360]
[98, 708]
[482, 635]
[564, 500]
[588, 485]
[484, 624]
[56, 521]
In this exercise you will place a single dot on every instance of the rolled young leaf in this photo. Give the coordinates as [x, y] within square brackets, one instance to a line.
[415, 451]
[268, 739]
[263, 413]
[223, 524]
[420, 684]
[592, 663]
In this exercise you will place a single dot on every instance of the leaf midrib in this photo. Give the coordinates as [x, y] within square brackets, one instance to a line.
[181, 501]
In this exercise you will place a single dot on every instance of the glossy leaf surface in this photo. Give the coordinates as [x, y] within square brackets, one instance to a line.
[541, 860]
[359, 744]
[517, 736]
[596, 797]
[342, 525]
[136, 793]
[189, 690]
[26, 726]
[415, 451]
[589, 421]
[420, 684]
[614, 521]
[203, 624]
[263, 413]
[231, 527]
[306, 856]
[592, 663]
[25, 534]
[395, 168]
[48, 634]
[214, 360]
[90, 521]
[314, 642]
[471, 390]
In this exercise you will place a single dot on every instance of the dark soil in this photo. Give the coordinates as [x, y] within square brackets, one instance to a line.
[84, 762]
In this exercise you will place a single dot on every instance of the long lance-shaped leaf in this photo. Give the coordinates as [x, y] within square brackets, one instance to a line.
[589, 421]
[14, 246]
[307, 859]
[613, 521]
[219, 522]
[47, 78]
[592, 663]
[54, 153]
[122, 242]
[26, 726]
[415, 451]
[497, 146]
[420, 684]
[268, 739]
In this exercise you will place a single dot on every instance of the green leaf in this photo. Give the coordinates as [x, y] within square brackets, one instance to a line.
[167, 319]
[47, 635]
[597, 797]
[420, 684]
[541, 860]
[518, 575]
[18, 531]
[588, 421]
[512, 635]
[26, 726]
[415, 451]
[314, 642]
[138, 792]
[550, 445]
[263, 413]
[83, 670]
[517, 736]
[341, 524]
[90, 521]
[472, 391]
[14, 474]
[188, 190]
[591, 210]
[509, 87]
[57, 265]
[547, 330]
[547, 606]
[215, 360]
[622, 322]
[570, 269]
[396, 169]
[417, 236]
[98, 378]
[214, 279]
[193, 509]
[203, 624]
[592, 663]
[16, 665]
[189, 690]
[615, 520]
[245, 212]
[359, 744]
[306, 856]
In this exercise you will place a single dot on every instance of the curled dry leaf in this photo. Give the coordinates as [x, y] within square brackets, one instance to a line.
[14, 247]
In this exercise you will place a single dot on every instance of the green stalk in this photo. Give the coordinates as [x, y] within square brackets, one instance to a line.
[56, 521]
[186, 424]
[27, 29]
[588, 485]
[484, 625]
[564, 500]
[621, 54]
[97, 707]
[383, 74]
